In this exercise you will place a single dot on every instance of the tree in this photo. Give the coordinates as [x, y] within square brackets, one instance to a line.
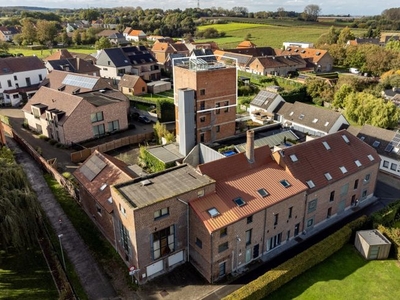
[46, 32]
[341, 94]
[311, 12]
[19, 209]
[89, 14]
[345, 35]
[319, 88]
[103, 43]
[281, 12]
[28, 32]
[76, 37]
[4, 47]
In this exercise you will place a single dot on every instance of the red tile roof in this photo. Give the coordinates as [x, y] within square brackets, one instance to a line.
[236, 177]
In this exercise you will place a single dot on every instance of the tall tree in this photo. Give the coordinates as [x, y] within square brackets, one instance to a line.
[311, 12]
[46, 32]
[345, 35]
[28, 32]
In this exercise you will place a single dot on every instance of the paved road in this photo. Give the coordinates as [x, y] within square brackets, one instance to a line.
[94, 282]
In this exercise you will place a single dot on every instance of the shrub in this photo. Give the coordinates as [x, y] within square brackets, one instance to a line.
[67, 175]
[52, 142]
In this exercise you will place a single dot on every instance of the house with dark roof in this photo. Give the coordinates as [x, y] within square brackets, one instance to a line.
[264, 106]
[118, 39]
[73, 65]
[228, 58]
[95, 177]
[385, 142]
[7, 33]
[151, 219]
[73, 118]
[132, 85]
[134, 60]
[318, 60]
[75, 83]
[310, 119]
[20, 78]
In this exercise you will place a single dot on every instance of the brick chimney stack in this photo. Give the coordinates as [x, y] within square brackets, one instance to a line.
[250, 146]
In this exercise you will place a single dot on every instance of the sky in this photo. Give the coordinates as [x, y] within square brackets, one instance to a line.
[334, 7]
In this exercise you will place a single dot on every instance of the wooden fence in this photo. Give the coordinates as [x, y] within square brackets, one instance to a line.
[82, 155]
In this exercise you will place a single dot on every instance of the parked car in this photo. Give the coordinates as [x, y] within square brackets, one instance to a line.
[144, 119]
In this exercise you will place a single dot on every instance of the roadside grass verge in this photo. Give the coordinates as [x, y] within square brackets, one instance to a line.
[26, 276]
[345, 275]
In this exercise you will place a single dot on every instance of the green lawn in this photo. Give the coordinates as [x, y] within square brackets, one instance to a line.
[269, 35]
[25, 276]
[47, 52]
[345, 275]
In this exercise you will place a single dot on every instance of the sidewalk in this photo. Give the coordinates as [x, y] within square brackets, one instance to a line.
[92, 278]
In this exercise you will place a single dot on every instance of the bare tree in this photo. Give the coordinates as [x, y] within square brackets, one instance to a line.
[311, 12]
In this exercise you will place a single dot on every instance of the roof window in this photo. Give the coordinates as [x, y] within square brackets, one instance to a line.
[310, 184]
[328, 176]
[345, 138]
[239, 201]
[358, 163]
[326, 145]
[376, 144]
[213, 212]
[285, 183]
[263, 192]
[293, 157]
[343, 169]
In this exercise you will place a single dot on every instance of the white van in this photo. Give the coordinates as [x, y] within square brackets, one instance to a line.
[354, 71]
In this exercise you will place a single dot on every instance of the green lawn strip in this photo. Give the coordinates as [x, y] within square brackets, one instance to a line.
[345, 275]
[47, 52]
[101, 249]
[26, 276]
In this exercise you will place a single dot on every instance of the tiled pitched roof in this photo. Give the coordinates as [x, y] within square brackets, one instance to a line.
[246, 44]
[160, 47]
[239, 178]
[128, 80]
[179, 47]
[9, 65]
[311, 116]
[106, 32]
[132, 55]
[379, 139]
[76, 65]
[312, 160]
[136, 32]
[255, 52]
[306, 53]
[242, 59]
[60, 54]
[113, 172]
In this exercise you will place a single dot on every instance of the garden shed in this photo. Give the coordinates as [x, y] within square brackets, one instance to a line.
[372, 244]
[160, 86]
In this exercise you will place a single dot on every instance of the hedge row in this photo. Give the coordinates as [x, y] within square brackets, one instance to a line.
[393, 235]
[277, 277]
[387, 215]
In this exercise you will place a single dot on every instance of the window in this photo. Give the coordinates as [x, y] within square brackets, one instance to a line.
[274, 241]
[345, 138]
[217, 111]
[343, 169]
[344, 189]
[310, 184]
[15, 77]
[9, 83]
[122, 209]
[332, 196]
[328, 176]
[370, 157]
[113, 126]
[356, 184]
[96, 117]
[163, 242]
[276, 219]
[226, 106]
[263, 192]
[161, 213]
[98, 130]
[98, 209]
[301, 117]
[312, 205]
[329, 213]
[310, 222]
[223, 247]
[290, 212]
[200, 193]
[40, 77]
[202, 92]
[199, 243]
[248, 237]
[393, 167]
[223, 232]
[376, 144]
[293, 157]
[202, 137]
[364, 194]
[125, 242]
[202, 105]
[217, 128]
[28, 81]
[285, 183]
[385, 164]
[358, 163]
[326, 124]
[315, 120]
[239, 201]
[367, 177]
[250, 219]
[202, 119]
[326, 145]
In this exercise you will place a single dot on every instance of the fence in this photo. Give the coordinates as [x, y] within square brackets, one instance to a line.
[82, 155]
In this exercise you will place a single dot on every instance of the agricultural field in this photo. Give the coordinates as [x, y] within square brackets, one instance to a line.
[47, 52]
[345, 275]
[269, 35]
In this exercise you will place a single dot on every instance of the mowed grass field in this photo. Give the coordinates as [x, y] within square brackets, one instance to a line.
[47, 52]
[346, 275]
[269, 35]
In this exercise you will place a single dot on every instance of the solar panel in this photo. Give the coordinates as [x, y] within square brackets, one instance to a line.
[79, 81]
[262, 97]
[92, 167]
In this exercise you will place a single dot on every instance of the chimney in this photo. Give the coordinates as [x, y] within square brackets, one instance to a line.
[250, 146]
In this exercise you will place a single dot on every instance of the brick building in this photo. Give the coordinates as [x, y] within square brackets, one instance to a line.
[205, 94]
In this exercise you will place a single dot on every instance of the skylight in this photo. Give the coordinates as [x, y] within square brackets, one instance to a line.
[213, 212]
[301, 117]
[263, 192]
[315, 120]
[328, 176]
[293, 157]
[358, 163]
[326, 124]
[376, 144]
[343, 169]
[103, 187]
[345, 138]
[310, 184]
[239, 201]
[370, 157]
[362, 138]
[285, 183]
[110, 200]
[326, 145]
[291, 113]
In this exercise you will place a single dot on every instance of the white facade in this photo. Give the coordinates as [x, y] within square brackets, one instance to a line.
[390, 165]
